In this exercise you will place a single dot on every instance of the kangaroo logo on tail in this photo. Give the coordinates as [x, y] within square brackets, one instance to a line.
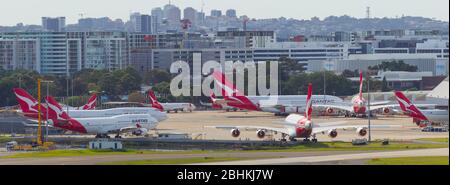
[27, 103]
[309, 103]
[408, 107]
[231, 94]
[91, 104]
[154, 101]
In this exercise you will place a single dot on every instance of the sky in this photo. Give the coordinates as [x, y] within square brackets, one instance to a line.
[31, 11]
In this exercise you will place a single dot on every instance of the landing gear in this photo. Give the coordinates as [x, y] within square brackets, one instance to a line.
[306, 140]
[118, 136]
[292, 139]
[314, 139]
[283, 138]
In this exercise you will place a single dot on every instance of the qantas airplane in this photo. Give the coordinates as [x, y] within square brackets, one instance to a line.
[92, 103]
[28, 105]
[358, 105]
[430, 115]
[298, 126]
[284, 103]
[137, 124]
[175, 107]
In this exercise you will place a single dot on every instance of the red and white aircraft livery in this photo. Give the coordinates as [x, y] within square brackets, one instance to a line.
[137, 124]
[167, 107]
[28, 105]
[278, 104]
[90, 105]
[358, 104]
[298, 126]
[430, 115]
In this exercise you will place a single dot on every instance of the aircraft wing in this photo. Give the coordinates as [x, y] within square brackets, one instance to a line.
[379, 103]
[323, 129]
[372, 108]
[252, 128]
[341, 107]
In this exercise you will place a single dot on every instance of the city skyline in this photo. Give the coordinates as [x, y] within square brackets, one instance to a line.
[118, 9]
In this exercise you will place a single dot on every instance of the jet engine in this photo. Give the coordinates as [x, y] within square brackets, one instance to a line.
[140, 131]
[361, 131]
[332, 133]
[386, 110]
[329, 110]
[261, 134]
[235, 132]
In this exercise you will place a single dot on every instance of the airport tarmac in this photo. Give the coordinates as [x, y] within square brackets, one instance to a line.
[338, 157]
[194, 124]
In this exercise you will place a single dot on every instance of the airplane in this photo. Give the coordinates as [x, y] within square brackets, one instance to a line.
[429, 115]
[175, 107]
[298, 126]
[284, 104]
[137, 124]
[90, 105]
[358, 105]
[28, 106]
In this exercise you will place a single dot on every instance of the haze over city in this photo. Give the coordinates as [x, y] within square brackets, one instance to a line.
[30, 12]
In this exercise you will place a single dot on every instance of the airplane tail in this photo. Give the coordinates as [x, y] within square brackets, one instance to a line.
[154, 101]
[309, 110]
[27, 103]
[230, 93]
[55, 111]
[408, 107]
[91, 104]
[360, 84]
[213, 101]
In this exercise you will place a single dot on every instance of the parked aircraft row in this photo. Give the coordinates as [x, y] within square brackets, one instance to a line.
[137, 120]
[285, 104]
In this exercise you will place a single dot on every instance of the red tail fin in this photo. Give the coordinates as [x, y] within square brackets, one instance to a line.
[213, 101]
[408, 107]
[154, 101]
[308, 110]
[55, 111]
[360, 84]
[27, 103]
[91, 104]
[231, 94]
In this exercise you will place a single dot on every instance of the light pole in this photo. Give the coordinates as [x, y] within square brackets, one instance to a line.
[368, 105]
[46, 116]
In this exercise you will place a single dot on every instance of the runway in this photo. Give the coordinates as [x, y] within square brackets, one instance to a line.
[339, 157]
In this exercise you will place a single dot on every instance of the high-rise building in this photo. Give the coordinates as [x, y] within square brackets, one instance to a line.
[56, 24]
[190, 13]
[143, 23]
[231, 13]
[172, 14]
[216, 13]
[200, 18]
[158, 15]
[63, 53]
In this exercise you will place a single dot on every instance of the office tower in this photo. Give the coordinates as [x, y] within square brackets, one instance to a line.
[231, 13]
[216, 13]
[190, 13]
[56, 24]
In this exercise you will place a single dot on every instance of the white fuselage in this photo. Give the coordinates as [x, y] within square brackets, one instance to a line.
[436, 115]
[158, 115]
[116, 123]
[290, 103]
[188, 107]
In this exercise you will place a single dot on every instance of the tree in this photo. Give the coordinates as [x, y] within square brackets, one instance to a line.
[288, 66]
[136, 97]
[157, 76]
[394, 66]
